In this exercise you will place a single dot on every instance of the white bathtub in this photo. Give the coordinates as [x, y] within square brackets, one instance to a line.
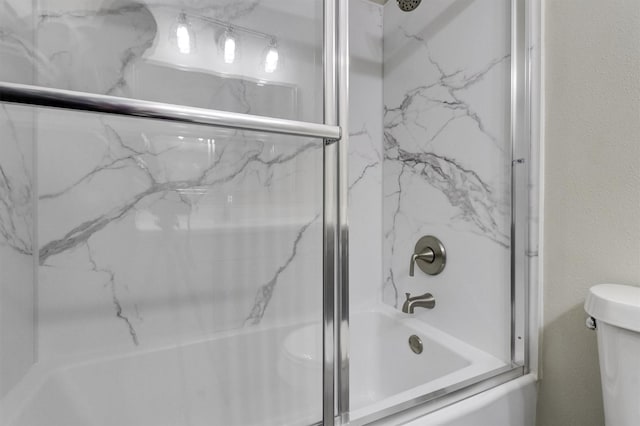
[276, 371]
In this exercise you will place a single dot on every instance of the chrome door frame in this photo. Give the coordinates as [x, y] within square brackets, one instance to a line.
[336, 228]
[520, 143]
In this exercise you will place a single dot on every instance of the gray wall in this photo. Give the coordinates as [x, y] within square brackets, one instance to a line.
[592, 190]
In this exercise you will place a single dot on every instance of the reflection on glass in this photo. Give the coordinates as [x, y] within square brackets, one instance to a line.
[271, 57]
[228, 43]
[133, 48]
[176, 262]
[183, 35]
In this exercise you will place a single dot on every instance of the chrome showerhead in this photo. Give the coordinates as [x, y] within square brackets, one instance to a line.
[408, 5]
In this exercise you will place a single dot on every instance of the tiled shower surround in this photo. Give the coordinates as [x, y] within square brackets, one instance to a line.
[17, 210]
[152, 233]
[365, 153]
[147, 234]
[171, 238]
[17, 240]
[447, 162]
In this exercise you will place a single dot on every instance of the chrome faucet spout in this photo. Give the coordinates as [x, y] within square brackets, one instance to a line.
[426, 301]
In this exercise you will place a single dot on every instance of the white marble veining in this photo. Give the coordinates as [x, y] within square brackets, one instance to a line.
[128, 49]
[17, 186]
[152, 232]
[447, 161]
[18, 53]
[365, 153]
[17, 240]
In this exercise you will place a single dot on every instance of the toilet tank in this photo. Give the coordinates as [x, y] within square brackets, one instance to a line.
[616, 310]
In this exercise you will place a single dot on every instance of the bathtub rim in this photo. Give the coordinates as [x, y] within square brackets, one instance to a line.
[18, 398]
[433, 401]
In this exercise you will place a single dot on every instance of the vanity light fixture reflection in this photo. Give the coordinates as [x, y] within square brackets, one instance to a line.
[182, 34]
[211, 149]
[229, 44]
[271, 56]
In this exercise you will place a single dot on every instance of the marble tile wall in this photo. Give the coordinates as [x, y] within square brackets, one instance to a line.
[17, 240]
[365, 153]
[17, 206]
[153, 233]
[140, 221]
[446, 167]
[129, 48]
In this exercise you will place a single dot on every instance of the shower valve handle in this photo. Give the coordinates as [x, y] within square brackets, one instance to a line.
[428, 256]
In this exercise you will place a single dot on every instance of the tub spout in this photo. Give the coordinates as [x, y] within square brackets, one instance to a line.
[423, 301]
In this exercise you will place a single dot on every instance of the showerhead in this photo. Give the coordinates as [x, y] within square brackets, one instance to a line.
[408, 5]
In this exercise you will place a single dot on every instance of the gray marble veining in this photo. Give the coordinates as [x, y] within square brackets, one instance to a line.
[90, 61]
[168, 196]
[424, 114]
[111, 283]
[175, 180]
[446, 162]
[16, 202]
[126, 49]
[208, 176]
[464, 189]
[265, 292]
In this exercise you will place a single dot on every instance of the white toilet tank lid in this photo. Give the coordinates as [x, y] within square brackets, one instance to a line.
[615, 304]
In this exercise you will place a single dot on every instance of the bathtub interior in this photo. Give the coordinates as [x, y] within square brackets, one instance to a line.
[384, 364]
[385, 372]
[189, 384]
[198, 383]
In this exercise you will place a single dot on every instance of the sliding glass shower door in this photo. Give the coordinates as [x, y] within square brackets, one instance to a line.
[174, 242]
[175, 264]
[167, 217]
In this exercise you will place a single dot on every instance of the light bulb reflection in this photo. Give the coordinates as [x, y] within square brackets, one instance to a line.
[228, 45]
[271, 59]
[229, 50]
[184, 39]
[183, 33]
[211, 149]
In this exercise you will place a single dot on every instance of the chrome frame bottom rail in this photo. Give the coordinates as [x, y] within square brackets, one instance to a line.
[89, 102]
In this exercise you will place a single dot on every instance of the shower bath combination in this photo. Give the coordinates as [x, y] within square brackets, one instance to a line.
[133, 192]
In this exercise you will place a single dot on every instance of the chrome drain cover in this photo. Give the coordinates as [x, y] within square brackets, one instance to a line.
[415, 344]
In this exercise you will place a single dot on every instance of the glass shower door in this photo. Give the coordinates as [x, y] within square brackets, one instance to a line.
[178, 266]
[179, 274]
[437, 105]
